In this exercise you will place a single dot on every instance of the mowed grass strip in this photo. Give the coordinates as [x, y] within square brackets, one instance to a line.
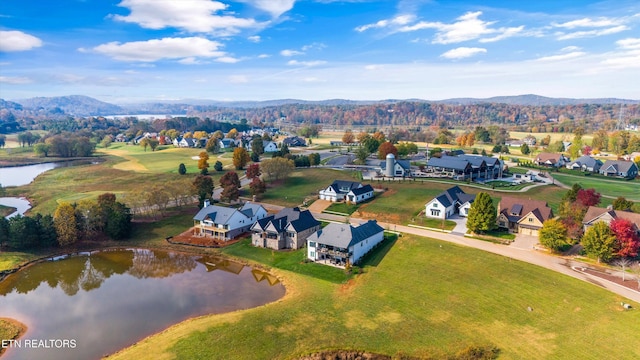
[627, 189]
[424, 298]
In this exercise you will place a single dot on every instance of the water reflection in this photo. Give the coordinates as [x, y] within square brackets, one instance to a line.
[107, 300]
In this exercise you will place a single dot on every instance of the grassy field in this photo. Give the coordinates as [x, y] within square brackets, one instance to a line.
[424, 298]
[628, 189]
[10, 329]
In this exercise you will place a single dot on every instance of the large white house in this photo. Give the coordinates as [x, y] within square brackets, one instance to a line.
[226, 223]
[350, 191]
[342, 244]
[450, 202]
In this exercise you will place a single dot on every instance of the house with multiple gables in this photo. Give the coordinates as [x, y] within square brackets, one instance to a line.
[452, 201]
[268, 146]
[523, 216]
[585, 163]
[288, 229]
[551, 160]
[466, 167]
[342, 244]
[185, 142]
[226, 223]
[228, 143]
[294, 141]
[596, 214]
[619, 168]
[349, 191]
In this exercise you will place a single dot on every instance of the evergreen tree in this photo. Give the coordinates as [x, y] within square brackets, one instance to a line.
[482, 214]
[217, 166]
[182, 169]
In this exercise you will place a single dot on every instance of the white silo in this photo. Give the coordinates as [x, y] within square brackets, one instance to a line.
[391, 164]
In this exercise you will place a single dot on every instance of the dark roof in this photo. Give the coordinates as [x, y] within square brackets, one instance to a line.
[507, 204]
[491, 161]
[587, 161]
[405, 164]
[362, 190]
[345, 235]
[336, 185]
[618, 165]
[299, 220]
[449, 162]
[453, 195]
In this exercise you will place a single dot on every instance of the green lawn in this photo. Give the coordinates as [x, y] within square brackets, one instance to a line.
[303, 184]
[628, 189]
[425, 298]
[435, 223]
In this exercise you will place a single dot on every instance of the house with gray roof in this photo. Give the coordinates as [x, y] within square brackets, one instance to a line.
[288, 229]
[341, 190]
[585, 163]
[226, 223]
[466, 167]
[619, 168]
[596, 214]
[342, 244]
[450, 202]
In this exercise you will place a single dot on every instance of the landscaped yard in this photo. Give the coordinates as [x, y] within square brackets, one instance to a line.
[435, 223]
[425, 298]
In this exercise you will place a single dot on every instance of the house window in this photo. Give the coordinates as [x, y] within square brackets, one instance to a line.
[312, 254]
[530, 220]
[435, 212]
[435, 205]
[312, 244]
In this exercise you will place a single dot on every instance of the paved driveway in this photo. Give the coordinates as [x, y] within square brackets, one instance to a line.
[525, 242]
[461, 225]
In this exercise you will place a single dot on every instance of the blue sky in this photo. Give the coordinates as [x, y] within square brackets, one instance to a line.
[139, 50]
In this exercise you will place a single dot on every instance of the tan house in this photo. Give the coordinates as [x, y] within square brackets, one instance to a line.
[550, 160]
[523, 216]
[596, 214]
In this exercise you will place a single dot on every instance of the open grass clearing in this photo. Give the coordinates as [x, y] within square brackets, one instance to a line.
[424, 298]
[628, 189]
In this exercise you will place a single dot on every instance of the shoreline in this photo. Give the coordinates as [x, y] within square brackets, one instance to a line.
[21, 329]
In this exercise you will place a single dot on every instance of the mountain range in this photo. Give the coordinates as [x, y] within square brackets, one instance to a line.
[79, 105]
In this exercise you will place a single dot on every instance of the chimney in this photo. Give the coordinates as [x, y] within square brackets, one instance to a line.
[207, 203]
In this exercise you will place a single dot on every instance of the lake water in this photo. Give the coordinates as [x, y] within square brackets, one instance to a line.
[23, 175]
[107, 300]
[21, 205]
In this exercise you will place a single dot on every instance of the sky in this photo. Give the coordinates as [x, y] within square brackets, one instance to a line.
[125, 51]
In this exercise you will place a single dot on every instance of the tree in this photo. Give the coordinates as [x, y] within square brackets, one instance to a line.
[257, 146]
[118, 224]
[553, 235]
[482, 214]
[253, 171]
[622, 204]
[599, 241]
[348, 137]
[257, 186]
[232, 134]
[524, 149]
[3, 140]
[314, 159]
[153, 143]
[255, 157]
[182, 169]
[203, 188]
[572, 194]
[277, 168]
[144, 142]
[203, 163]
[627, 239]
[623, 264]
[385, 149]
[213, 145]
[42, 149]
[66, 224]
[240, 158]
[362, 153]
[106, 141]
[217, 166]
[588, 197]
[230, 186]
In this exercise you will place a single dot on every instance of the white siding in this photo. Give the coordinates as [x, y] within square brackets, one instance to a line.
[434, 209]
[363, 247]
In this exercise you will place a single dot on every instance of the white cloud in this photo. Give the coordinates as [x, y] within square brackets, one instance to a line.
[399, 20]
[463, 52]
[289, 53]
[227, 60]
[18, 41]
[373, 67]
[264, 56]
[306, 63]
[591, 33]
[467, 27]
[570, 55]
[273, 7]
[587, 22]
[14, 80]
[159, 49]
[629, 43]
[316, 46]
[627, 57]
[238, 79]
[192, 15]
[255, 38]
[570, 48]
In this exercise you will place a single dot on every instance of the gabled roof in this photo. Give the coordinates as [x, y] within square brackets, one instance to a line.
[587, 161]
[251, 209]
[217, 214]
[362, 190]
[550, 157]
[594, 213]
[618, 166]
[336, 185]
[515, 208]
[453, 195]
[491, 161]
[293, 217]
[449, 162]
[405, 164]
[345, 235]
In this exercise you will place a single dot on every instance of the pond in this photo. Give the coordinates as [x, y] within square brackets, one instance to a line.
[21, 205]
[103, 301]
[24, 175]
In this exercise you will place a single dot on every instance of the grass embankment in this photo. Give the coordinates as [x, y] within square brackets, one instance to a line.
[425, 298]
[10, 329]
[6, 210]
